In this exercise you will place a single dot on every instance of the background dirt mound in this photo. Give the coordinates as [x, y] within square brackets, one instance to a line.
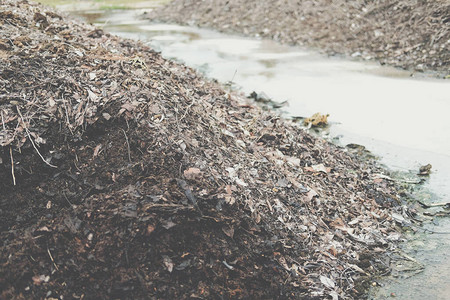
[410, 34]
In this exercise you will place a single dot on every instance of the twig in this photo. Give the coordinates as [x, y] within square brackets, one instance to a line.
[424, 205]
[9, 96]
[3, 121]
[67, 117]
[169, 208]
[128, 145]
[410, 258]
[176, 117]
[356, 268]
[228, 266]
[67, 199]
[12, 165]
[425, 229]
[31, 139]
[230, 83]
[187, 110]
[381, 176]
[51, 257]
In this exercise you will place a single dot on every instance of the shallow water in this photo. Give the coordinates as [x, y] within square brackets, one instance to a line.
[401, 119]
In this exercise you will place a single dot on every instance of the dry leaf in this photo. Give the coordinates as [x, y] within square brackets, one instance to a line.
[293, 161]
[310, 195]
[93, 97]
[150, 228]
[334, 295]
[168, 224]
[228, 189]
[318, 168]
[327, 282]
[44, 228]
[106, 116]
[316, 120]
[281, 260]
[333, 251]
[337, 223]
[229, 231]
[97, 150]
[168, 263]
[192, 173]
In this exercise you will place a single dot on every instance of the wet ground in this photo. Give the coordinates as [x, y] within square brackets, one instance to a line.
[401, 119]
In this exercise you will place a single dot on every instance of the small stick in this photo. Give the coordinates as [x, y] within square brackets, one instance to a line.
[425, 229]
[381, 176]
[67, 117]
[31, 140]
[3, 121]
[424, 205]
[186, 111]
[51, 257]
[128, 145]
[64, 194]
[12, 165]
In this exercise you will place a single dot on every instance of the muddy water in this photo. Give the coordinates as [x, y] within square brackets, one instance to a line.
[402, 119]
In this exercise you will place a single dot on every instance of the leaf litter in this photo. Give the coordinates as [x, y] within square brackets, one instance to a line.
[163, 185]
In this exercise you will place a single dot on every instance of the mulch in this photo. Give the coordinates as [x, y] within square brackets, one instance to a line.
[413, 35]
[127, 176]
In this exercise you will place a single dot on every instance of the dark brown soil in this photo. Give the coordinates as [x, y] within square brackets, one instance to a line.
[127, 176]
[414, 35]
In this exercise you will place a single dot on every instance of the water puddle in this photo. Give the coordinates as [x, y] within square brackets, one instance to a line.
[401, 119]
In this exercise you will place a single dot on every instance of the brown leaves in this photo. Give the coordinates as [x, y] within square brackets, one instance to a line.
[425, 170]
[316, 120]
[318, 168]
[39, 279]
[41, 20]
[229, 231]
[168, 263]
[192, 173]
[327, 282]
[4, 45]
[150, 229]
[309, 195]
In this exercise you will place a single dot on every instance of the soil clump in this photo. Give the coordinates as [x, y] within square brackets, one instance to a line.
[413, 35]
[124, 175]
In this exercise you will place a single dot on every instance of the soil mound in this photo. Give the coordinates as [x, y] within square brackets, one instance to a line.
[127, 176]
[413, 35]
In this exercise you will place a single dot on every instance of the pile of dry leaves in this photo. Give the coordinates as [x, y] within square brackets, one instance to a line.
[124, 175]
[410, 34]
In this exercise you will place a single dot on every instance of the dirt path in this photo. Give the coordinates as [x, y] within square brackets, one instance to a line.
[124, 175]
[414, 35]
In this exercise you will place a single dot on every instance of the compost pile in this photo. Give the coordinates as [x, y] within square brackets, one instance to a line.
[414, 35]
[125, 175]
